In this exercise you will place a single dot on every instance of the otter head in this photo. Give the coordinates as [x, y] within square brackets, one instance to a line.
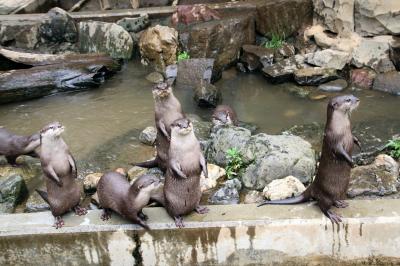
[345, 104]
[161, 90]
[52, 130]
[222, 118]
[146, 184]
[182, 126]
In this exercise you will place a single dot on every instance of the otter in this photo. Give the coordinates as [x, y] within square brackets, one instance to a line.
[12, 146]
[59, 168]
[167, 110]
[224, 115]
[332, 180]
[182, 181]
[115, 193]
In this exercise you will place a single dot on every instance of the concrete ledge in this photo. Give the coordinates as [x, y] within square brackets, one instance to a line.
[228, 235]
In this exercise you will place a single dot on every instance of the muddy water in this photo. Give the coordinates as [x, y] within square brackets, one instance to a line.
[103, 125]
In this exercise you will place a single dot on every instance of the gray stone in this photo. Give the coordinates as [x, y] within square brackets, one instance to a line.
[103, 37]
[134, 24]
[285, 51]
[337, 16]
[388, 82]
[201, 128]
[148, 136]
[329, 58]
[35, 203]
[155, 77]
[395, 53]
[21, 35]
[191, 72]
[283, 71]
[233, 183]
[314, 75]
[13, 190]
[255, 57]
[90, 181]
[370, 52]
[207, 95]
[283, 188]
[228, 194]
[380, 178]
[253, 196]
[58, 27]
[333, 86]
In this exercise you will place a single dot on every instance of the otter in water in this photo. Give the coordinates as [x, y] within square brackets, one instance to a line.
[332, 180]
[115, 193]
[58, 165]
[182, 182]
[224, 115]
[12, 146]
[167, 110]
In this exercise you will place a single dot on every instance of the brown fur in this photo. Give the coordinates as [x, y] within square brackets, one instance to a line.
[115, 193]
[191, 13]
[224, 114]
[12, 146]
[182, 182]
[332, 180]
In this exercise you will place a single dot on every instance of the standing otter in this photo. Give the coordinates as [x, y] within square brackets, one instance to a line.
[12, 146]
[224, 115]
[167, 110]
[115, 193]
[58, 165]
[182, 181]
[333, 175]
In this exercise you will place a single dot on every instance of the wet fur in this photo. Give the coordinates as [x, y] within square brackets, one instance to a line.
[225, 114]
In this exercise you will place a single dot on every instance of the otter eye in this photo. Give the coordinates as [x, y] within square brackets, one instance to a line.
[348, 100]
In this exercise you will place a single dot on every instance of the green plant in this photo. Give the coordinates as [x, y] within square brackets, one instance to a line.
[394, 147]
[235, 163]
[275, 42]
[183, 56]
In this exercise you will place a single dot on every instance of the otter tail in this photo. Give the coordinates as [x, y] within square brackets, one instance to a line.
[44, 195]
[305, 196]
[147, 164]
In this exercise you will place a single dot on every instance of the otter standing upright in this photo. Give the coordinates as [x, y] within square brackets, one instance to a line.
[182, 191]
[332, 180]
[58, 165]
[167, 110]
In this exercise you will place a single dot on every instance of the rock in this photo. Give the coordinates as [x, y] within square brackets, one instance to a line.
[255, 57]
[214, 174]
[395, 53]
[201, 128]
[283, 70]
[35, 203]
[377, 17]
[283, 17]
[334, 85]
[285, 51]
[134, 24]
[388, 82]
[337, 15]
[329, 59]
[171, 72]
[155, 77]
[220, 39]
[380, 178]
[314, 75]
[90, 181]
[283, 188]
[22, 35]
[148, 136]
[58, 27]
[362, 78]
[207, 95]
[241, 68]
[188, 14]
[228, 194]
[103, 37]
[158, 46]
[278, 156]
[371, 52]
[253, 196]
[313, 133]
[13, 191]
[191, 72]
[299, 91]
[135, 172]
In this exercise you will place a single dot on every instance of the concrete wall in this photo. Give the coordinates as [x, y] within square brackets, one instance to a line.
[228, 235]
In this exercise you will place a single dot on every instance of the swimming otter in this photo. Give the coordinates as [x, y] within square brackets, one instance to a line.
[182, 182]
[12, 146]
[224, 115]
[167, 110]
[58, 165]
[333, 175]
[115, 193]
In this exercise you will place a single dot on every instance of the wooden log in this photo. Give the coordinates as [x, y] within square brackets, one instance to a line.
[39, 81]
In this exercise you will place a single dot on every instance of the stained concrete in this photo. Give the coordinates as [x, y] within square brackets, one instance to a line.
[227, 235]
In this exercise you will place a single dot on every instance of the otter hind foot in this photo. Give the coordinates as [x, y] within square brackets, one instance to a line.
[341, 204]
[142, 223]
[201, 210]
[335, 218]
[105, 215]
[59, 222]
[179, 222]
[80, 211]
[143, 216]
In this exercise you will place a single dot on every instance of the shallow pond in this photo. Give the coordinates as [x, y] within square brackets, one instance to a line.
[103, 125]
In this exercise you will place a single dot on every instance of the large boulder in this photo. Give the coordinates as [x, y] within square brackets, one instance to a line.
[207, 95]
[362, 78]
[58, 27]
[314, 75]
[255, 57]
[134, 24]
[379, 178]
[388, 82]
[282, 71]
[283, 188]
[24, 34]
[337, 15]
[191, 72]
[215, 173]
[377, 17]
[36, 203]
[103, 37]
[148, 136]
[220, 39]
[158, 46]
[329, 59]
[395, 53]
[283, 17]
[13, 191]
